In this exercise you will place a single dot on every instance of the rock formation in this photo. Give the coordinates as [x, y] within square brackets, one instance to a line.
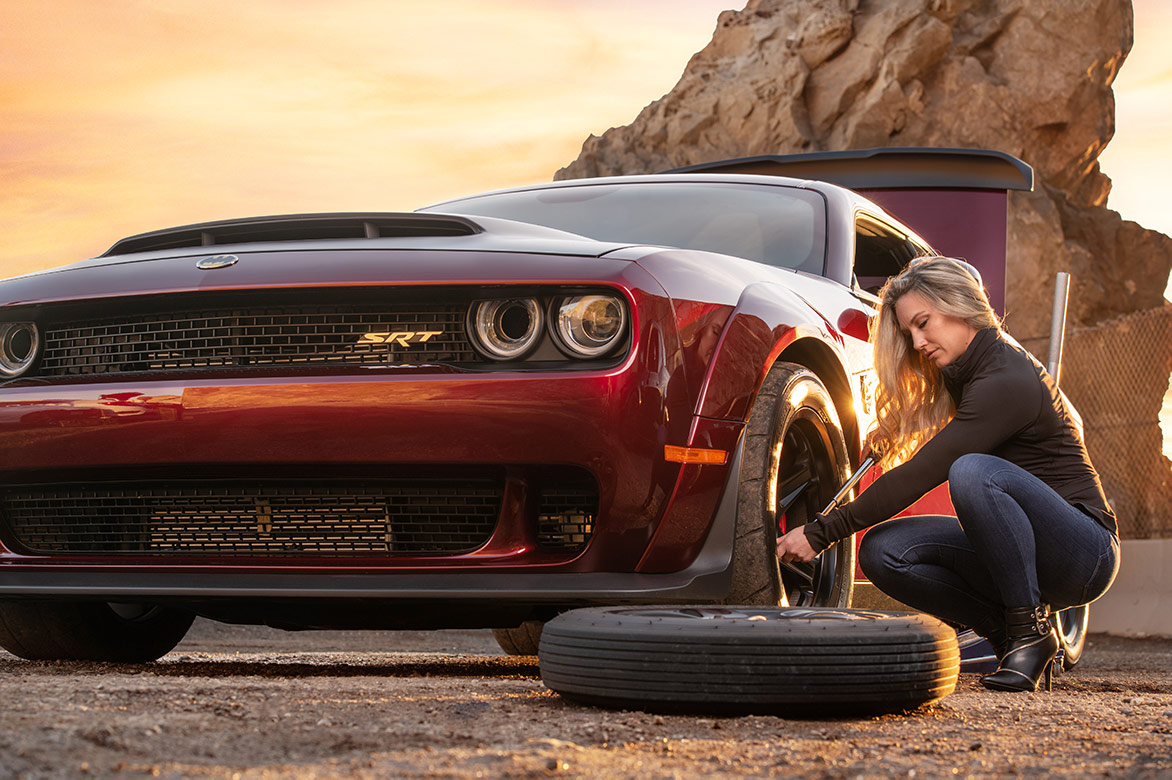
[1029, 78]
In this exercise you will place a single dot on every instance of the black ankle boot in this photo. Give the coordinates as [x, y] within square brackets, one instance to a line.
[1031, 648]
[993, 633]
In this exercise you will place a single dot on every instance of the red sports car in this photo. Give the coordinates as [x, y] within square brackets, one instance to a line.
[589, 392]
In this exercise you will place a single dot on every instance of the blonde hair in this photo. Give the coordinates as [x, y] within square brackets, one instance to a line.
[912, 404]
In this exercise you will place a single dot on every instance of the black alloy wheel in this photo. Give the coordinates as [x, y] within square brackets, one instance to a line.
[807, 480]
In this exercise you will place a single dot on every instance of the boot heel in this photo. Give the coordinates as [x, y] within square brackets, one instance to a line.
[1032, 647]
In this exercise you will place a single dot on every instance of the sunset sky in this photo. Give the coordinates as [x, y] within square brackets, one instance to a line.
[130, 116]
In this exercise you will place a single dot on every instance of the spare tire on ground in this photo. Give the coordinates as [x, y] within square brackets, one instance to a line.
[789, 661]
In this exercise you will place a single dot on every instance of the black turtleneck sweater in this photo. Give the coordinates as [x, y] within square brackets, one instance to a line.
[1008, 406]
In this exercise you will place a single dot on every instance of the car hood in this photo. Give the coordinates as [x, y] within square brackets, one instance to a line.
[487, 234]
[497, 251]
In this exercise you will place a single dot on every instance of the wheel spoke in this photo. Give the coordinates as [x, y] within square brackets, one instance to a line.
[794, 484]
[787, 501]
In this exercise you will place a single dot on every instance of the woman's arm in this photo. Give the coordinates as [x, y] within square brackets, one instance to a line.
[995, 407]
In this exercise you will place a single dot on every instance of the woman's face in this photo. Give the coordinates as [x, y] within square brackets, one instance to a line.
[939, 337]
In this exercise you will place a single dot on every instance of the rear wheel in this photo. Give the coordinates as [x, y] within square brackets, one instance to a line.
[1072, 633]
[794, 461]
[90, 631]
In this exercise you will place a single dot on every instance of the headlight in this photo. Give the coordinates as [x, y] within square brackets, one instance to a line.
[18, 347]
[589, 325]
[505, 329]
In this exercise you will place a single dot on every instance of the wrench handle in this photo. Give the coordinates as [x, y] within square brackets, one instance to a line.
[849, 485]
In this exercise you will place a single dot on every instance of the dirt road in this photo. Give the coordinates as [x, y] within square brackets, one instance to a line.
[250, 702]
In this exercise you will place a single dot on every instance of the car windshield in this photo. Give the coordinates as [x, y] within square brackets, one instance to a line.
[776, 225]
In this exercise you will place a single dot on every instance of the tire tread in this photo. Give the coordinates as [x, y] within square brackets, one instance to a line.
[875, 662]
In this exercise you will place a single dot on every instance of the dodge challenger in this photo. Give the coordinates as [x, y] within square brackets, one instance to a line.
[603, 391]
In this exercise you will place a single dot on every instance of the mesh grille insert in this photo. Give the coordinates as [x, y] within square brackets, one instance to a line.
[565, 519]
[258, 336]
[401, 517]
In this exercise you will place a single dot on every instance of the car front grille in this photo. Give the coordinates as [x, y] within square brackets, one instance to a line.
[293, 334]
[385, 518]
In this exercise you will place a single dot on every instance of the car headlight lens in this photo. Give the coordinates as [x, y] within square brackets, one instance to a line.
[590, 325]
[18, 347]
[506, 329]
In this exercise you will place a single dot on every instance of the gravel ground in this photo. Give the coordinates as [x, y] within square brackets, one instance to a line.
[252, 702]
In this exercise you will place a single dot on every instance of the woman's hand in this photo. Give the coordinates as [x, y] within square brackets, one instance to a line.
[794, 546]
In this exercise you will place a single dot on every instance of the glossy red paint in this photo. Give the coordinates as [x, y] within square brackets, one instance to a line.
[768, 320]
[747, 317]
[683, 529]
[856, 323]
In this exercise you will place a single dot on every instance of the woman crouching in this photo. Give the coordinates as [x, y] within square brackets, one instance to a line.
[960, 401]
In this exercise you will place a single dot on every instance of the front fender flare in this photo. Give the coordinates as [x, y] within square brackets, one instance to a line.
[768, 319]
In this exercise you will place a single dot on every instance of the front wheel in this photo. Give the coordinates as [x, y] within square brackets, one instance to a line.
[90, 631]
[794, 461]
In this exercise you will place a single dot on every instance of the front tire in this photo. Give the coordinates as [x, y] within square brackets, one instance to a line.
[794, 460]
[90, 631]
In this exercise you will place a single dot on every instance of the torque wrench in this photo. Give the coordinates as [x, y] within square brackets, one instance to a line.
[839, 497]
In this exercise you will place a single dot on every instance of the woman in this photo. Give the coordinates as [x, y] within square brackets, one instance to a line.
[959, 401]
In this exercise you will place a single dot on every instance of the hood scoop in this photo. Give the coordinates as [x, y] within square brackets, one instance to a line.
[296, 227]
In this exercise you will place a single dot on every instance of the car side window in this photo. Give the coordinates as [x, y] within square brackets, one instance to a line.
[881, 252]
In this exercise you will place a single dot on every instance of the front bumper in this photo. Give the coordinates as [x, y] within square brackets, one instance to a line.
[706, 578]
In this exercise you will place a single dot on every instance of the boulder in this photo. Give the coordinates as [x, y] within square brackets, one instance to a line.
[1032, 79]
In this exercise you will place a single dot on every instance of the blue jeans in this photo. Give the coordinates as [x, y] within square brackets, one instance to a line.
[1014, 543]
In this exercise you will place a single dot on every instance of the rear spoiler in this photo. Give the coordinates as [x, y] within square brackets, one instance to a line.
[888, 169]
[955, 198]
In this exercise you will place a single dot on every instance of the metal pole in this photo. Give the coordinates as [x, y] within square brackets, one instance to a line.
[1071, 621]
[1058, 324]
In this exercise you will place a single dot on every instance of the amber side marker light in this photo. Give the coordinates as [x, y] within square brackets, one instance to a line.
[694, 455]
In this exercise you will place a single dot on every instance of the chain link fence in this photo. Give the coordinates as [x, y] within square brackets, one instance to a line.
[1117, 375]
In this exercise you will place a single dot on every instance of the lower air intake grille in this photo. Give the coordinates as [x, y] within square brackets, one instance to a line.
[565, 519]
[416, 517]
